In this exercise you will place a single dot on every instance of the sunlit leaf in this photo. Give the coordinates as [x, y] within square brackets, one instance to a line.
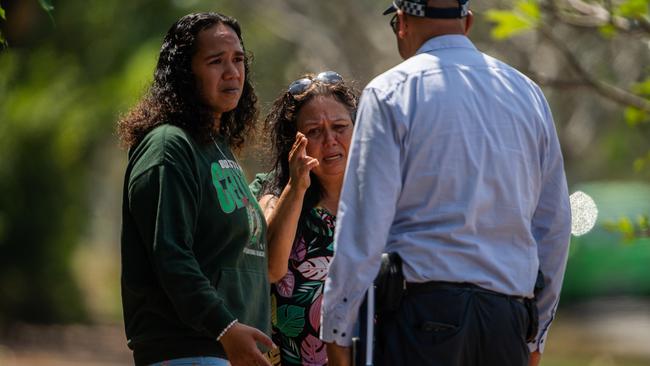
[525, 16]
[530, 9]
[508, 24]
[2, 13]
[635, 117]
[633, 8]
[608, 31]
[46, 5]
[642, 88]
[626, 227]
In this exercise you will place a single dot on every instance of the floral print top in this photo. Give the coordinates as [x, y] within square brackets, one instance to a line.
[296, 299]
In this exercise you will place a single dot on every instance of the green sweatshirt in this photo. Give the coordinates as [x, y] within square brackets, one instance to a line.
[193, 248]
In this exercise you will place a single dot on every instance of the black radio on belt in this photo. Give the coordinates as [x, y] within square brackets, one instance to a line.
[531, 306]
[389, 284]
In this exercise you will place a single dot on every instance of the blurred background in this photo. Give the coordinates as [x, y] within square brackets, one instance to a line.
[70, 68]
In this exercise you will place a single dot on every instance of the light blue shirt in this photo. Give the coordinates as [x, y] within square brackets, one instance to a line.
[455, 164]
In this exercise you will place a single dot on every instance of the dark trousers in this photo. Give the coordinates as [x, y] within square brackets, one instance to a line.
[442, 324]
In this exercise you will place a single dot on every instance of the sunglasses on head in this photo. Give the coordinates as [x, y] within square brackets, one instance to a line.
[326, 77]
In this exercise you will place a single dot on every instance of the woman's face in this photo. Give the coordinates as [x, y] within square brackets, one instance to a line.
[328, 127]
[218, 66]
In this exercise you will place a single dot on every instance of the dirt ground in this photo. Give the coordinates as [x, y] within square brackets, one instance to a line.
[608, 332]
[69, 345]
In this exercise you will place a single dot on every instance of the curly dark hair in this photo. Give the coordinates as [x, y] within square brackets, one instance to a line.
[174, 98]
[281, 128]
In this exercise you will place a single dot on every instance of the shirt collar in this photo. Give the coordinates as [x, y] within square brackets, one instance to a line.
[446, 41]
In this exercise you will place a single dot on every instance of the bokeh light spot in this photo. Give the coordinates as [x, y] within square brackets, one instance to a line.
[584, 213]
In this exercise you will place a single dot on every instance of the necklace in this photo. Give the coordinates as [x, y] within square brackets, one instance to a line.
[217, 145]
[223, 154]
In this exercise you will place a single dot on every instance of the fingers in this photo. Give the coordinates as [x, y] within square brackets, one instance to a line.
[244, 350]
[302, 147]
[298, 154]
[296, 144]
[311, 163]
[299, 146]
[263, 339]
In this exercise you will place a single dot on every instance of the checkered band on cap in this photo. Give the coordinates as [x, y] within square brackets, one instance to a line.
[464, 7]
[419, 7]
[413, 7]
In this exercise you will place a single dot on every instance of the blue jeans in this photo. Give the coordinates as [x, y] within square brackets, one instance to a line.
[194, 361]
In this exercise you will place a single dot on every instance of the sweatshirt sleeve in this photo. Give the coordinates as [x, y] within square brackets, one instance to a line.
[257, 186]
[164, 202]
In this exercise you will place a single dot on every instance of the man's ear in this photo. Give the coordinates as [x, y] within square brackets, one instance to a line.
[402, 29]
[469, 21]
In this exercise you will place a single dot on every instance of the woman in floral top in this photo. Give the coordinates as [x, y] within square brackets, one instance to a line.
[310, 126]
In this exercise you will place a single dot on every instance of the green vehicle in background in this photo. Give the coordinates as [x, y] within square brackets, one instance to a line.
[613, 259]
[604, 313]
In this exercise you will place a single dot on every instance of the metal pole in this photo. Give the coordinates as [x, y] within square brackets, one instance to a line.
[370, 324]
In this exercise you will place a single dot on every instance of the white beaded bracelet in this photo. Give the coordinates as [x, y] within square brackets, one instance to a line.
[226, 329]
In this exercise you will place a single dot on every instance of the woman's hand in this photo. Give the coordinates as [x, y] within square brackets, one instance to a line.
[283, 213]
[338, 355]
[240, 344]
[535, 357]
[300, 164]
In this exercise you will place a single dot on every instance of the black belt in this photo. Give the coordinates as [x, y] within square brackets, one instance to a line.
[424, 287]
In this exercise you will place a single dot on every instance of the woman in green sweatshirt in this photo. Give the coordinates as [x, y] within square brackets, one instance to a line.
[194, 266]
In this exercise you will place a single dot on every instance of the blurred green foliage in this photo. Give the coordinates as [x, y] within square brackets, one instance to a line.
[48, 7]
[62, 88]
[3, 41]
[613, 20]
[524, 17]
[45, 4]
[630, 228]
